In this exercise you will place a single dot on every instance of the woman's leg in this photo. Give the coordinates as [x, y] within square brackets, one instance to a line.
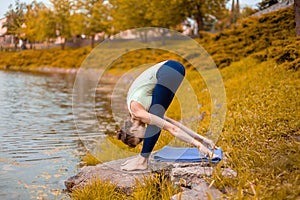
[169, 77]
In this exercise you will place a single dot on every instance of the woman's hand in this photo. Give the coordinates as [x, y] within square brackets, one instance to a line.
[137, 163]
[209, 143]
[205, 151]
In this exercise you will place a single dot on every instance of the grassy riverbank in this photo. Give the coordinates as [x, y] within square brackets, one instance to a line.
[261, 134]
[259, 61]
[262, 129]
[31, 60]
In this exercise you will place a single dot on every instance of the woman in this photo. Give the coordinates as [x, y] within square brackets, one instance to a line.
[148, 99]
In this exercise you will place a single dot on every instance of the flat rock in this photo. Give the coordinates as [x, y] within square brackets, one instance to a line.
[166, 167]
[188, 172]
[188, 175]
[201, 191]
[109, 171]
[192, 175]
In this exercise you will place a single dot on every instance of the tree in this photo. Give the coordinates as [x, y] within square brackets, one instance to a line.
[96, 17]
[62, 15]
[165, 14]
[129, 14]
[266, 4]
[235, 12]
[247, 11]
[297, 16]
[78, 25]
[46, 25]
[200, 10]
[39, 23]
[144, 13]
[237, 9]
[29, 19]
[15, 20]
[232, 16]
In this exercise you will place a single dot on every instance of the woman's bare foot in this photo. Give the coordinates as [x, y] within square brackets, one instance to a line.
[138, 163]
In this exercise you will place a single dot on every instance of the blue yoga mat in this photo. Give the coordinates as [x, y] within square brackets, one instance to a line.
[174, 154]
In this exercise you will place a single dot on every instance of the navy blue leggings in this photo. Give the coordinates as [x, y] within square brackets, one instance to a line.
[169, 77]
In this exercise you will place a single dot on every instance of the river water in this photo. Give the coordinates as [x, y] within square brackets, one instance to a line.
[40, 147]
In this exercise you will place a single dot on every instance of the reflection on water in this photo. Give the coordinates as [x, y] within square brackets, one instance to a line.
[40, 147]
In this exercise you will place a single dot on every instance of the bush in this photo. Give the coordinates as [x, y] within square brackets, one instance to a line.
[252, 35]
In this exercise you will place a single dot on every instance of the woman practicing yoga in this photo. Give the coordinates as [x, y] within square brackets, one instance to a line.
[148, 99]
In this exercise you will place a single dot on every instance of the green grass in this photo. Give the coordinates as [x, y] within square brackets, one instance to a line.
[98, 190]
[154, 187]
[109, 149]
[260, 69]
[260, 131]
[29, 60]
[261, 126]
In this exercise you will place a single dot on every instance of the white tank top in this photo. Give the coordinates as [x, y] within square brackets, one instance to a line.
[142, 87]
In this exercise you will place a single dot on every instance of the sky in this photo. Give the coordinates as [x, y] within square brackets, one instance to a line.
[4, 4]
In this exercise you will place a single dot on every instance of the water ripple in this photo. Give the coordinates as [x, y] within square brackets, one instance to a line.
[39, 144]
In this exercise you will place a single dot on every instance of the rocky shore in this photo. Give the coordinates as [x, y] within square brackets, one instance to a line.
[189, 176]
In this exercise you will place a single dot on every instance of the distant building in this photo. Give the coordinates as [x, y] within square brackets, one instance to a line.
[142, 34]
[188, 28]
[3, 30]
[5, 40]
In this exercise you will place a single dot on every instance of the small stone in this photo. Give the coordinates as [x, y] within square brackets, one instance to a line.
[194, 174]
[200, 191]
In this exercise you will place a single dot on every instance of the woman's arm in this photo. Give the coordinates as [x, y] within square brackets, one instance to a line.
[180, 134]
[139, 113]
[195, 135]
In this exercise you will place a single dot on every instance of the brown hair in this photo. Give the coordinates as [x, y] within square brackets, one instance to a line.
[124, 135]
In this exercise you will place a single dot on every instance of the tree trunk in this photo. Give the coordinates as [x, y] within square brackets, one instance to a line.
[237, 10]
[199, 19]
[232, 15]
[63, 45]
[200, 22]
[297, 16]
[93, 41]
[143, 35]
